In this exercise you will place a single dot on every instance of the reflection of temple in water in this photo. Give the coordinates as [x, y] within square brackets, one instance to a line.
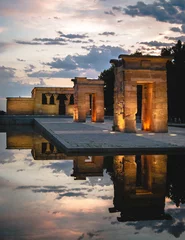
[139, 187]
[85, 166]
[139, 181]
[42, 149]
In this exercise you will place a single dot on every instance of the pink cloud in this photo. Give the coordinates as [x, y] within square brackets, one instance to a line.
[12, 7]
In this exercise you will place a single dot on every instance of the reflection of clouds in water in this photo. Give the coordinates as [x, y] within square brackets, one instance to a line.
[29, 160]
[5, 183]
[100, 181]
[95, 234]
[62, 191]
[64, 166]
[105, 197]
[7, 157]
[20, 170]
[175, 227]
[72, 194]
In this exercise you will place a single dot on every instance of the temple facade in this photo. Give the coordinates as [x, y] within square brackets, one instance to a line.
[43, 101]
[88, 95]
[150, 73]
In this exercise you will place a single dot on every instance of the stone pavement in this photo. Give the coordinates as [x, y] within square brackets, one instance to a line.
[88, 137]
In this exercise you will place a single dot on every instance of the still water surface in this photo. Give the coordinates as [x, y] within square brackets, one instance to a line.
[45, 194]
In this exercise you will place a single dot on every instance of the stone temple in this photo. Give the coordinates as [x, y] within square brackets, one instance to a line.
[87, 96]
[150, 73]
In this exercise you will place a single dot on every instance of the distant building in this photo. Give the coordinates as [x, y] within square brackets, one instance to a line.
[44, 101]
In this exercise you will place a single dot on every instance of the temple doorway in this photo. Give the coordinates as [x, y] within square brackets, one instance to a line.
[145, 105]
[92, 105]
[62, 107]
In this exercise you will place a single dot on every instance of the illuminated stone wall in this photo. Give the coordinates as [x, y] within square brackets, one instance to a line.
[150, 73]
[18, 106]
[36, 104]
[49, 108]
[86, 90]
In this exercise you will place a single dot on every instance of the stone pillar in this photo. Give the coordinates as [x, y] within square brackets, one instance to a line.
[67, 102]
[81, 108]
[55, 150]
[160, 108]
[55, 95]
[147, 103]
[99, 106]
[130, 106]
[119, 102]
[48, 150]
[48, 95]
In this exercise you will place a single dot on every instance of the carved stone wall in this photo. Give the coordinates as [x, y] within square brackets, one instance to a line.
[44, 101]
[150, 73]
[84, 91]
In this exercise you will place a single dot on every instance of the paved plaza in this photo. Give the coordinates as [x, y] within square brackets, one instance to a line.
[73, 137]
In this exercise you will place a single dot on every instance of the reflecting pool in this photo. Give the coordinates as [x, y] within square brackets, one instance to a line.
[45, 194]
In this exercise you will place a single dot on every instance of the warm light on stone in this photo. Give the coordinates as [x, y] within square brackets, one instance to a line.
[88, 97]
[150, 72]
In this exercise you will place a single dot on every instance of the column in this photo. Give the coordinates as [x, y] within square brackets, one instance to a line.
[48, 95]
[55, 95]
[67, 102]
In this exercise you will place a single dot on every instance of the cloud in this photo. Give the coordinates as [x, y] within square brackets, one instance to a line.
[21, 60]
[175, 29]
[115, 8]
[68, 63]
[5, 46]
[7, 157]
[107, 33]
[64, 39]
[172, 11]
[27, 42]
[71, 194]
[55, 74]
[30, 68]
[21, 7]
[157, 44]
[95, 61]
[9, 86]
[175, 227]
[105, 197]
[183, 28]
[72, 36]
[97, 58]
[41, 42]
[6, 72]
[181, 37]
[58, 167]
[109, 13]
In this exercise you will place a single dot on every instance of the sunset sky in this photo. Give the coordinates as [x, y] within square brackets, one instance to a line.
[46, 43]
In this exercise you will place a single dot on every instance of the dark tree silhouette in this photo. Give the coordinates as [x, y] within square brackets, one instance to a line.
[108, 77]
[176, 81]
[176, 178]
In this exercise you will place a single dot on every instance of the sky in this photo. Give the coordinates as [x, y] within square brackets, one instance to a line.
[46, 43]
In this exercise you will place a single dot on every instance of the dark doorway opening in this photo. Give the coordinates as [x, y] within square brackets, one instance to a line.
[62, 108]
[139, 103]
